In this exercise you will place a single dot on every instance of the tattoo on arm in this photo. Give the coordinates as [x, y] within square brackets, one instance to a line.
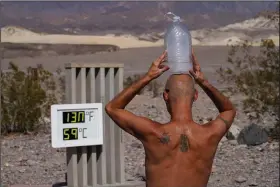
[225, 121]
[165, 138]
[184, 143]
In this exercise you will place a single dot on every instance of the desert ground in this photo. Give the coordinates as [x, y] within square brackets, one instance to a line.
[30, 159]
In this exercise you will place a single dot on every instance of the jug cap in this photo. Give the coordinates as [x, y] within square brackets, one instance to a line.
[175, 17]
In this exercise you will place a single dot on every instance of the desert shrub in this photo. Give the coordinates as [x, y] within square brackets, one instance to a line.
[154, 86]
[61, 82]
[256, 76]
[26, 97]
[131, 79]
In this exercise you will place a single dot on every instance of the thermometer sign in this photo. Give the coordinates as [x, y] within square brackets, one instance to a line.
[73, 117]
[73, 133]
[77, 124]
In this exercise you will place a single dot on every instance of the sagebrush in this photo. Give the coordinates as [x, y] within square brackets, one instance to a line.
[26, 97]
[154, 86]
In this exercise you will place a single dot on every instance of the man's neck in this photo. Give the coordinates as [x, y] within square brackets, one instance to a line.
[181, 113]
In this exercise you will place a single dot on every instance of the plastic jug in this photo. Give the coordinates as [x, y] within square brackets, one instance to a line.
[178, 43]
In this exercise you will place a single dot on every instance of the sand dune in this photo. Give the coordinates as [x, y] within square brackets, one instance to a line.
[121, 41]
[230, 34]
[253, 30]
[20, 35]
[259, 23]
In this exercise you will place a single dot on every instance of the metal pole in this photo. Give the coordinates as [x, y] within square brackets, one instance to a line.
[96, 165]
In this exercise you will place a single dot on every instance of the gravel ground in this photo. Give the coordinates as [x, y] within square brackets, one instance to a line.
[30, 159]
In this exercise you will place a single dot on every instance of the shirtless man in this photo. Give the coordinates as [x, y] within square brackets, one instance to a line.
[181, 152]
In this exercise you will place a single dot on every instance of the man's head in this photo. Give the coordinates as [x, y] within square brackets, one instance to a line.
[179, 90]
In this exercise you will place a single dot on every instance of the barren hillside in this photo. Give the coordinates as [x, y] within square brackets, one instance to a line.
[253, 30]
[124, 17]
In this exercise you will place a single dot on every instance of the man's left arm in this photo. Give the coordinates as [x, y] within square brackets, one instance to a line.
[129, 122]
[126, 120]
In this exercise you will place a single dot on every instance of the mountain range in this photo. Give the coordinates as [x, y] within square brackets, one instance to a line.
[120, 17]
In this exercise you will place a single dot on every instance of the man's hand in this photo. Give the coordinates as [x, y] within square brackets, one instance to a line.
[196, 72]
[157, 68]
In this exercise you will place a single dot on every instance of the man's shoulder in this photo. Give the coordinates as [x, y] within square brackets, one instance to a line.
[158, 129]
[152, 126]
[211, 131]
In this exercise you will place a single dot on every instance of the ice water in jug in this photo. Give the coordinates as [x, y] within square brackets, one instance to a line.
[178, 43]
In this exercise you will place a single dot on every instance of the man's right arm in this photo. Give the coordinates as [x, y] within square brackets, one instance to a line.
[226, 109]
[222, 123]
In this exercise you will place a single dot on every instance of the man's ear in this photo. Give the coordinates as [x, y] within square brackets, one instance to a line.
[195, 94]
[165, 95]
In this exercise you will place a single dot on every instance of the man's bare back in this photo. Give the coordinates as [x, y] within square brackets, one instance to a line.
[181, 152]
[179, 155]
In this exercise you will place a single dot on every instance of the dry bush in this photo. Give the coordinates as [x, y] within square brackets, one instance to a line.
[131, 79]
[255, 76]
[26, 97]
[61, 88]
[154, 86]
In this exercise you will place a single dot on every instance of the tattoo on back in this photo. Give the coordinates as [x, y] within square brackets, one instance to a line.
[225, 121]
[165, 138]
[184, 143]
